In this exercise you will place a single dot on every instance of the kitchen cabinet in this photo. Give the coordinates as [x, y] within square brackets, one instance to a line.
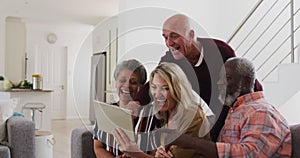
[24, 96]
[15, 49]
[105, 38]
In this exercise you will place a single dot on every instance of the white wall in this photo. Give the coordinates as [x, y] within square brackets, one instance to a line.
[196, 9]
[72, 36]
[81, 80]
[2, 44]
[230, 17]
[291, 109]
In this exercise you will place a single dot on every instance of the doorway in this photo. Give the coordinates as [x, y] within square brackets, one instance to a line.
[51, 62]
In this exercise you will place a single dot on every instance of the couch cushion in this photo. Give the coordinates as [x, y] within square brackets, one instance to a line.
[82, 143]
[295, 129]
[4, 152]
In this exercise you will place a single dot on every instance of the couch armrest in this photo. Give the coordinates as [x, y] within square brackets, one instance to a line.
[21, 137]
[4, 152]
[82, 143]
[295, 129]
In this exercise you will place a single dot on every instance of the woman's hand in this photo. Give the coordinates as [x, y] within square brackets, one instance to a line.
[125, 144]
[162, 153]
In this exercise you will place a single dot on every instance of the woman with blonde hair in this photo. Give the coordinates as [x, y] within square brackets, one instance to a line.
[174, 106]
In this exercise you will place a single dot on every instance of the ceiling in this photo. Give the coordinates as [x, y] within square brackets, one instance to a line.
[83, 11]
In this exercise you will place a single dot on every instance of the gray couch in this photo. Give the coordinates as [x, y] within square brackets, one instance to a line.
[21, 138]
[295, 140]
[82, 142]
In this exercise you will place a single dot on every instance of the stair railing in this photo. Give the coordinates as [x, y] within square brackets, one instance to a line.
[289, 36]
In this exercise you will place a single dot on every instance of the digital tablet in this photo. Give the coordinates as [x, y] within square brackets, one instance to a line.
[110, 117]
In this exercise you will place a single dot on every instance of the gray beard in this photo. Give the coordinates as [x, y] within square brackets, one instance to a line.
[228, 99]
[222, 93]
[231, 98]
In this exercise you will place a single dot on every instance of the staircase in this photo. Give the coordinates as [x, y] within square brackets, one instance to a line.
[269, 36]
[286, 86]
[284, 93]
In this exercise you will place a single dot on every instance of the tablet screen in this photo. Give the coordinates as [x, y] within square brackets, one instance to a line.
[110, 117]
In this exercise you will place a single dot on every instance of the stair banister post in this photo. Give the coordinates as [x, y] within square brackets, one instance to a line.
[292, 32]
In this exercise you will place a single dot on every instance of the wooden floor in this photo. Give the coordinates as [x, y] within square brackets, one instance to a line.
[61, 130]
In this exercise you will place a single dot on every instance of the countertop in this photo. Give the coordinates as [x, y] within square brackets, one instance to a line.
[28, 90]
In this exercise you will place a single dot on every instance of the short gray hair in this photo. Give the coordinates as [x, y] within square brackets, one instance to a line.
[134, 66]
[244, 67]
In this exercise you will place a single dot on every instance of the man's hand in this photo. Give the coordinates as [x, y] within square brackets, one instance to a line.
[161, 152]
